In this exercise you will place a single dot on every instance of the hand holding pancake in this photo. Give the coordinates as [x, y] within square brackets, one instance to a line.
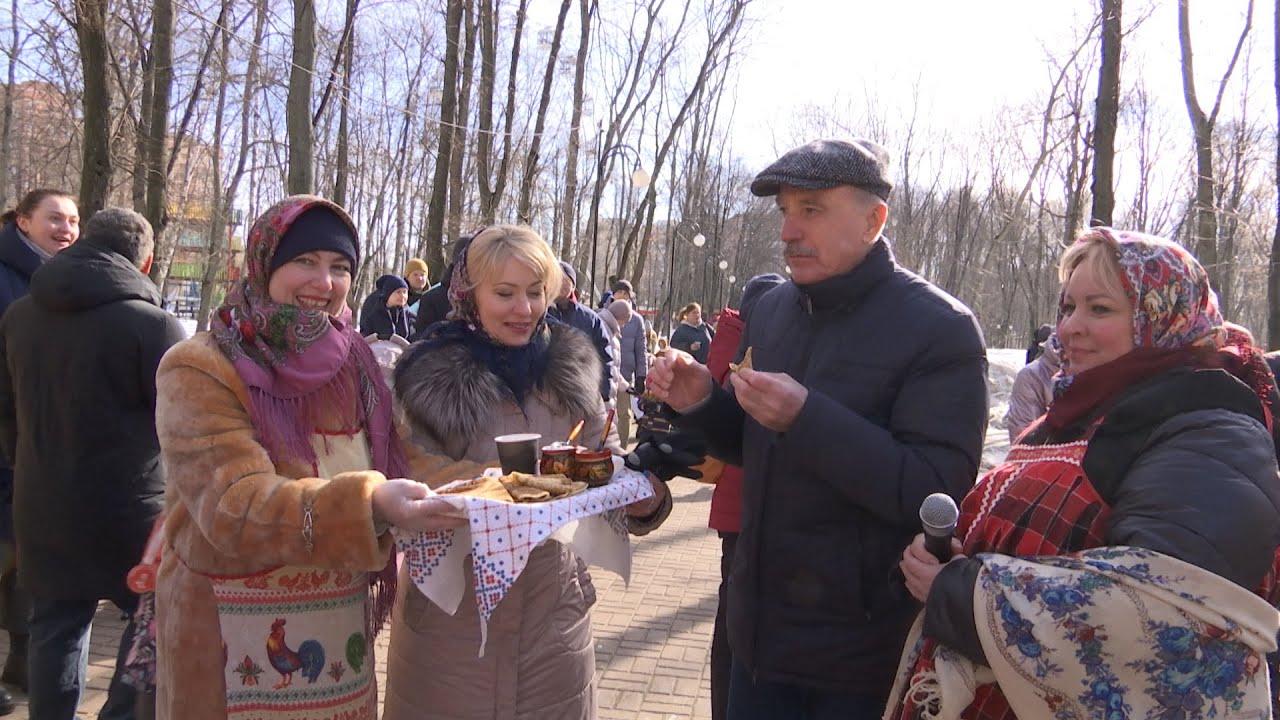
[773, 399]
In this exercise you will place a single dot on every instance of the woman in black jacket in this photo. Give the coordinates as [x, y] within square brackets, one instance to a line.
[1122, 559]
[691, 334]
[384, 312]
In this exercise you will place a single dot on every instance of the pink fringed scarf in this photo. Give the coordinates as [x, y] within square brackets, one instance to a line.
[306, 369]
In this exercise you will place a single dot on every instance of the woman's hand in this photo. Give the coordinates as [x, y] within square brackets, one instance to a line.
[920, 567]
[410, 505]
[645, 508]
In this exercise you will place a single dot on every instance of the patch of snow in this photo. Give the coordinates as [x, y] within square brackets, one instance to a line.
[1002, 367]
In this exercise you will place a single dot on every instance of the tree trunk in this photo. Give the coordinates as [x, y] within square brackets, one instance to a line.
[344, 109]
[1205, 228]
[96, 169]
[525, 205]
[1106, 112]
[6, 115]
[492, 189]
[456, 193]
[302, 138]
[569, 204]
[162, 20]
[1273, 274]
[432, 247]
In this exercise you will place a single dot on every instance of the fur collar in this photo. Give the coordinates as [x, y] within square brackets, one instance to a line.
[452, 396]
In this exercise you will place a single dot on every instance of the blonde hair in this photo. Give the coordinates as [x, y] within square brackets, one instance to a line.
[497, 244]
[663, 343]
[1101, 255]
[684, 311]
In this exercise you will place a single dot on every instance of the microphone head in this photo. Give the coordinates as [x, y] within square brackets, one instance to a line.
[939, 511]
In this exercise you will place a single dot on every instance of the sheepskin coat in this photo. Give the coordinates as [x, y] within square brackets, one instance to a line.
[539, 661]
[232, 512]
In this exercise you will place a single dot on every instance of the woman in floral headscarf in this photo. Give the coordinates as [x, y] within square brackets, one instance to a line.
[1121, 561]
[276, 430]
[500, 366]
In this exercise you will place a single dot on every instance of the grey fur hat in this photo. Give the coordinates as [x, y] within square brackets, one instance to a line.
[826, 164]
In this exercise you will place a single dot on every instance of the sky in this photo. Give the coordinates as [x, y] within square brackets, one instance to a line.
[969, 58]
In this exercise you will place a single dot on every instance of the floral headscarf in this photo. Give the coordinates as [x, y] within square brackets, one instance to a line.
[1176, 321]
[302, 366]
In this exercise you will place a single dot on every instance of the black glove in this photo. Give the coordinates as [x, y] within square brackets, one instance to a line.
[670, 455]
[638, 385]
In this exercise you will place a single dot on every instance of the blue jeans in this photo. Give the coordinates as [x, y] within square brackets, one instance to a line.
[762, 700]
[58, 659]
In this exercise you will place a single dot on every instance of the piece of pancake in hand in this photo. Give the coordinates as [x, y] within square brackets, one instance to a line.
[745, 364]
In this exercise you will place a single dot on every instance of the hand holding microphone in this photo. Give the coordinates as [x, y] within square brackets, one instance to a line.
[924, 558]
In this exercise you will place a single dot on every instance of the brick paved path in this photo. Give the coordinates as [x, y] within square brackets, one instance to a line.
[653, 639]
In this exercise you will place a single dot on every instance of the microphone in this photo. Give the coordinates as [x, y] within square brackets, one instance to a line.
[938, 514]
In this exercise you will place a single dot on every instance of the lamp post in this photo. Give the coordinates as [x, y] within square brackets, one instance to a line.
[639, 178]
[698, 241]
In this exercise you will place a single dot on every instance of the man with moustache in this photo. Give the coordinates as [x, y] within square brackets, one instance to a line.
[867, 393]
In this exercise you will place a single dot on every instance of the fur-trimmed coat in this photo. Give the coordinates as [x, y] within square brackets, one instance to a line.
[539, 661]
[231, 511]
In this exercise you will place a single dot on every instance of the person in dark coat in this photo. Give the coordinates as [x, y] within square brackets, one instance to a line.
[384, 312]
[1038, 339]
[726, 499]
[569, 311]
[43, 223]
[1130, 537]
[867, 393]
[691, 334]
[78, 360]
[434, 306]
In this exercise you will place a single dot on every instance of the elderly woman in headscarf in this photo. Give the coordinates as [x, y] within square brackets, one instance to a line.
[500, 366]
[277, 433]
[1122, 560]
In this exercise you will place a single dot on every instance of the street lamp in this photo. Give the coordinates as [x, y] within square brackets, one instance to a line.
[639, 179]
[698, 241]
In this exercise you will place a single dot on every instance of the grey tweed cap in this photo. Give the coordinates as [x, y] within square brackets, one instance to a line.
[826, 164]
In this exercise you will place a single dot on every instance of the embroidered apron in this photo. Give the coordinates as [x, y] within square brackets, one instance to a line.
[295, 645]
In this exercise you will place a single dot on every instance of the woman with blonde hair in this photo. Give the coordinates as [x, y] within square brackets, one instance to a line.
[691, 334]
[1122, 560]
[500, 366]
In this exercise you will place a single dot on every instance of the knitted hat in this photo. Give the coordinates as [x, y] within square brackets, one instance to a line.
[415, 265]
[388, 284]
[569, 271]
[755, 289]
[317, 228]
[826, 164]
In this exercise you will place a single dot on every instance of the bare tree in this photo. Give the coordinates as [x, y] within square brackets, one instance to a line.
[540, 119]
[1273, 274]
[569, 202]
[492, 188]
[1106, 115]
[6, 113]
[302, 138]
[161, 77]
[1205, 228]
[96, 166]
[432, 243]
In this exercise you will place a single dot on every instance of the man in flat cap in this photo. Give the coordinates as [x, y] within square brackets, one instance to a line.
[867, 393]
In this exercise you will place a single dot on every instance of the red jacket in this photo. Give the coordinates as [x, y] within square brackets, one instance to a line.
[726, 499]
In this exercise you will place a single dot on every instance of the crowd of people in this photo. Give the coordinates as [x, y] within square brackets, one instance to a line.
[1121, 561]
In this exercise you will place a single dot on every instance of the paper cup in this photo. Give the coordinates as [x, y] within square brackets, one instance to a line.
[518, 453]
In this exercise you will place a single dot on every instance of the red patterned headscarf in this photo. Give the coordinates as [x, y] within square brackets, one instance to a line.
[304, 368]
[1176, 322]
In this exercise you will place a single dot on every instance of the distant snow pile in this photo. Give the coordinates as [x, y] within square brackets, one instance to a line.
[1002, 367]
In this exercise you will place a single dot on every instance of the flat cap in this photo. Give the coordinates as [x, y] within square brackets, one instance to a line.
[826, 164]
